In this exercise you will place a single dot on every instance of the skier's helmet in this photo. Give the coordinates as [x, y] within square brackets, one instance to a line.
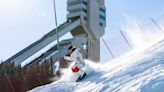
[70, 49]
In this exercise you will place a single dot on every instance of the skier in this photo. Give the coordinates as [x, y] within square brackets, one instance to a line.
[77, 58]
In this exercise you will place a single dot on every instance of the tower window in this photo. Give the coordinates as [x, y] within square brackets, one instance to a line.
[101, 24]
[84, 10]
[84, 2]
[102, 17]
[102, 10]
[85, 18]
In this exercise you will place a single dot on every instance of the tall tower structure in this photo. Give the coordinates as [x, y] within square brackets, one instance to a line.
[92, 14]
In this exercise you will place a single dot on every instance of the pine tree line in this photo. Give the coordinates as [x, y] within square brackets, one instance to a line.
[24, 79]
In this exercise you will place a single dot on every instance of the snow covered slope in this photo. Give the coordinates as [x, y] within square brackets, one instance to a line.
[139, 71]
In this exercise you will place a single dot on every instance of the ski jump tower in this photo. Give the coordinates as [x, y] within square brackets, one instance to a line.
[86, 21]
[92, 23]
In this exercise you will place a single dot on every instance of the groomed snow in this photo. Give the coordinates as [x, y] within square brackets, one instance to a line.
[138, 71]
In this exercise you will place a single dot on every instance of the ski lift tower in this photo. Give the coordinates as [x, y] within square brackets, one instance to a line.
[92, 15]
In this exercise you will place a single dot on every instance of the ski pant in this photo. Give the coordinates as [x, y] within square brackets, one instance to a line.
[80, 66]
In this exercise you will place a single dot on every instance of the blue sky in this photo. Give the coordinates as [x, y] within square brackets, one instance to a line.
[24, 21]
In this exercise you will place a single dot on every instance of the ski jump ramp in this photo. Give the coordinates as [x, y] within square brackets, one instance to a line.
[86, 21]
[43, 42]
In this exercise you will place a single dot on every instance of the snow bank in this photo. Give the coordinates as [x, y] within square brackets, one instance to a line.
[139, 71]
